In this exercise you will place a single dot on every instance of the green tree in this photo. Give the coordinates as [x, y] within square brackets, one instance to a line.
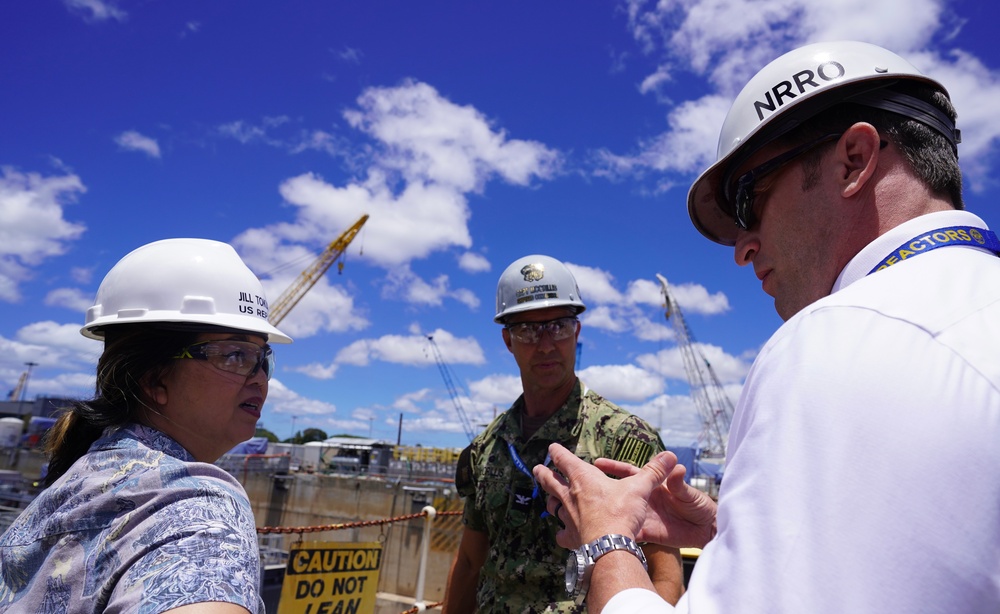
[263, 432]
[307, 435]
[313, 435]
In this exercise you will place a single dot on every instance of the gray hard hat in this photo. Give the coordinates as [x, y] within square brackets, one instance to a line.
[536, 282]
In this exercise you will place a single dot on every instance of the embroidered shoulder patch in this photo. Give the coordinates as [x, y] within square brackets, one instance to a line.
[465, 480]
[634, 452]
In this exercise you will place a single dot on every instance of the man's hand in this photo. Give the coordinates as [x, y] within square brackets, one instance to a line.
[590, 504]
[679, 515]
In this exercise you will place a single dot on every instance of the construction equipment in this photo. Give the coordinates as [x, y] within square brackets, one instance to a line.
[308, 278]
[15, 394]
[714, 406]
[449, 383]
[20, 391]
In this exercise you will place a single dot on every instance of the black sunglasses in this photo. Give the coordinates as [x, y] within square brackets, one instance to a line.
[743, 202]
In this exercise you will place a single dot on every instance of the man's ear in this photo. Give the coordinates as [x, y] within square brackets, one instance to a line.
[506, 339]
[858, 154]
[155, 389]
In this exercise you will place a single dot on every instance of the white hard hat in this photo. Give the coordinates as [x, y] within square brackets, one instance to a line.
[788, 91]
[536, 282]
[186, 282]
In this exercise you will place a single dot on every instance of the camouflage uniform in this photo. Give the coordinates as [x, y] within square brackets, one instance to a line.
[524, 570]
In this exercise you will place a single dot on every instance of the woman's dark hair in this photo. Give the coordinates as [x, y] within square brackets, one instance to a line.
[134, 356]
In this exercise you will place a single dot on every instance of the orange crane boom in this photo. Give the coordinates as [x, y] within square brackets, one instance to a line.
[308, 278]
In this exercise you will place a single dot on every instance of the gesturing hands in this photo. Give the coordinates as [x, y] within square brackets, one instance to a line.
[679, 515]
[650, 504]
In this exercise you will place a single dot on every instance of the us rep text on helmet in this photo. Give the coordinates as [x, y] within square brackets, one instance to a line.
[182, 281]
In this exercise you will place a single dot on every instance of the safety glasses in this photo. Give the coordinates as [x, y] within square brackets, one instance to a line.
[743, 202]
[530, 332]
[240, 357]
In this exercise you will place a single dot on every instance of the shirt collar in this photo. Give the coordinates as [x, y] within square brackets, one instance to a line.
[874, 252]
[511, 429]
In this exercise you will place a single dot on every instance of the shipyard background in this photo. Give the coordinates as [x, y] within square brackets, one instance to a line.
[376, 489]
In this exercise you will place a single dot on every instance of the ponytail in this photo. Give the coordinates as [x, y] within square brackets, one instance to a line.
[134, 357]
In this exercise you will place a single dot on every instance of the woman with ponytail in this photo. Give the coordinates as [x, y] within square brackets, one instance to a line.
[135, 516]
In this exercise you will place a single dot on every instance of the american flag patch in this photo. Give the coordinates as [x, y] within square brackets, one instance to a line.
[634, 452]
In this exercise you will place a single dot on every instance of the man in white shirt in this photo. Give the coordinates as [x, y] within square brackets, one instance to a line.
[864, 457]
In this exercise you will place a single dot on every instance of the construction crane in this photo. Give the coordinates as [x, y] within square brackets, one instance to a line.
[714, 406]
[20, 391]
[308, 278]
[455, 399]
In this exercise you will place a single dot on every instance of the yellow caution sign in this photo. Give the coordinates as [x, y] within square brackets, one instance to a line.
[331, 578]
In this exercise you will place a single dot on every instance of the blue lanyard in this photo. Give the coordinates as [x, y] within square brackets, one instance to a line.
[942, 237]
[524, 469]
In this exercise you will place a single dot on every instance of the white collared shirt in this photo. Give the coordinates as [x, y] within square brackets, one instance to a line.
[864, 455]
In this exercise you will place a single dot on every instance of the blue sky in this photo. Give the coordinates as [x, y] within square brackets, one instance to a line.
[472, 133]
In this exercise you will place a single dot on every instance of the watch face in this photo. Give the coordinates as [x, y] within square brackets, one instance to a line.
[574, 567]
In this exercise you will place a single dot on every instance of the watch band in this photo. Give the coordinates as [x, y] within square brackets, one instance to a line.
[611, 542]
[580, 565]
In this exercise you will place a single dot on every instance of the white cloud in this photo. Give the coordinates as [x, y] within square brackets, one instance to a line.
[317, 370]
[497, 390]
[604, 318]
[413, 350]
[70, 298]
[131, 140]
[402, 283]
[318, 140]
[350, 55]
[327, 306]
[245, 132]
[51, 346]
[428, 153]
[409, 401]
[647, 330]
[622, 383]
[282, 400]
[669, 363]
[617, 312]
[466, 297]
[725, 42]
[675, 416]
[421, 219]
[427, 138]
[694, 298]
[64, 337]
[596, 285]
[32, 227]
[471, 262]
[96, 10]
[81, 275]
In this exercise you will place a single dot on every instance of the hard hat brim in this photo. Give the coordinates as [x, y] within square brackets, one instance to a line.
[95, 329]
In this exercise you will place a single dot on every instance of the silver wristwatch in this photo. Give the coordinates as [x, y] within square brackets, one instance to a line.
[581, 561]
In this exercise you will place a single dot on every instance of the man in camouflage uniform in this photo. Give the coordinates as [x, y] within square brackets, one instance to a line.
[508, 560]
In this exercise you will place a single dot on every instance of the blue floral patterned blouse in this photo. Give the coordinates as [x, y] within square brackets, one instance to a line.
[135, 525]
